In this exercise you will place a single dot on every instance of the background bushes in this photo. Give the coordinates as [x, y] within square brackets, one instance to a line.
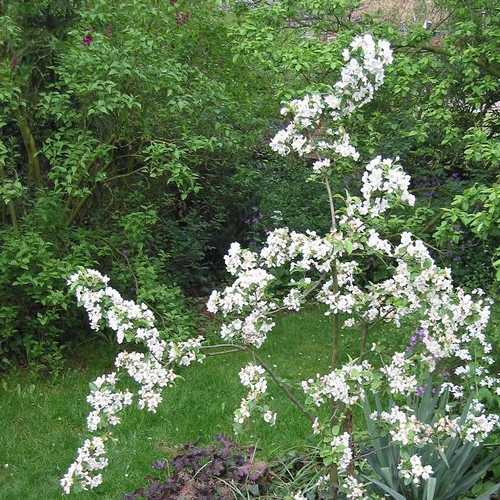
[133, 138]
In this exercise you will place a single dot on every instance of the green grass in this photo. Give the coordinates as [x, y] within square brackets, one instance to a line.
[43, 421]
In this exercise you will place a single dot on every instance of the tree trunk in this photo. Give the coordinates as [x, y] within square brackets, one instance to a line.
[11, 209]
[34, 170]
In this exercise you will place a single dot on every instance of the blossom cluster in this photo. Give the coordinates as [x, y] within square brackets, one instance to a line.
[399, 375]
[384, 180]
[362, 74]
[106, 402]
[474, 426]
[253, 378]
[185, 352]
[151, 376]
[91, 457]
[478, 424]
[152, 370]
[360, 78]
[247, 297]
[341, 445]
[404, 427]
[354, 489]
[414, 471]
[124, 317]
[342, 385]
[246, 294]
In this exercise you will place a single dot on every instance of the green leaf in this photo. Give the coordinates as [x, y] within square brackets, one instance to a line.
[430, 488]
[394, 494]
[490, 493]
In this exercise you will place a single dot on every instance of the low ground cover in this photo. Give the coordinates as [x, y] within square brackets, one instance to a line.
[42, 420]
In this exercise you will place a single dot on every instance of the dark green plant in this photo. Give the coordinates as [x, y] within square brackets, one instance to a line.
[457, 465]
[223, 470]
[474, 218]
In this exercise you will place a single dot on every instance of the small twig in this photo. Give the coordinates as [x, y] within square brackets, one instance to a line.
[219, 346]
[220, 353]
[119, 176]
[332, 207]
[200, 469]
[127, 261]
[283, 387]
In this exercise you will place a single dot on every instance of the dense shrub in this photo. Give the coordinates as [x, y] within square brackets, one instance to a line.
[153, 108]
[92, 104]
[37, 314]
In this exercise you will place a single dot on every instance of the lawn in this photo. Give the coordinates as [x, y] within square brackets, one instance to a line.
[42, 421]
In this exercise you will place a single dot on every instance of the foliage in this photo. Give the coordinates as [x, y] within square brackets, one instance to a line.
[456, 466]
[292, 269]
[474, 214]
[36, 313]
[224, 470]
[91, 104]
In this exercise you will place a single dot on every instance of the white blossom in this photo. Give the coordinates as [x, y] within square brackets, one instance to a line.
[405, 428]
[150, 370]
[341, 446]
[361, 75]
[91, 457]
[414, 470]
[399, 376]
[269, 417]
[343, 384]
[354, 488]
[253, 378]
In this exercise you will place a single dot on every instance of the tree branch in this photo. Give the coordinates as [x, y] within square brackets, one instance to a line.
[283, 387]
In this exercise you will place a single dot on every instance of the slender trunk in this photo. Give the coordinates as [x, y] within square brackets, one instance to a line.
[76, 204]
[11, 208]
[12, 214]
[335, 361]
[364, 338]
[34, 170]
[76, 210]
[332, 206]
[334, 483]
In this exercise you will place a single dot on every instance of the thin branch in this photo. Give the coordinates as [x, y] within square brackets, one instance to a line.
[484, 64]
[127, 261]
[220, 346]
[120, 176]
[220, 353]
[332, 207]
[283, 387]
[364, 338]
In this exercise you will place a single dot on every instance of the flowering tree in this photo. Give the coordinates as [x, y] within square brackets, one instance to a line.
[292, 269]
